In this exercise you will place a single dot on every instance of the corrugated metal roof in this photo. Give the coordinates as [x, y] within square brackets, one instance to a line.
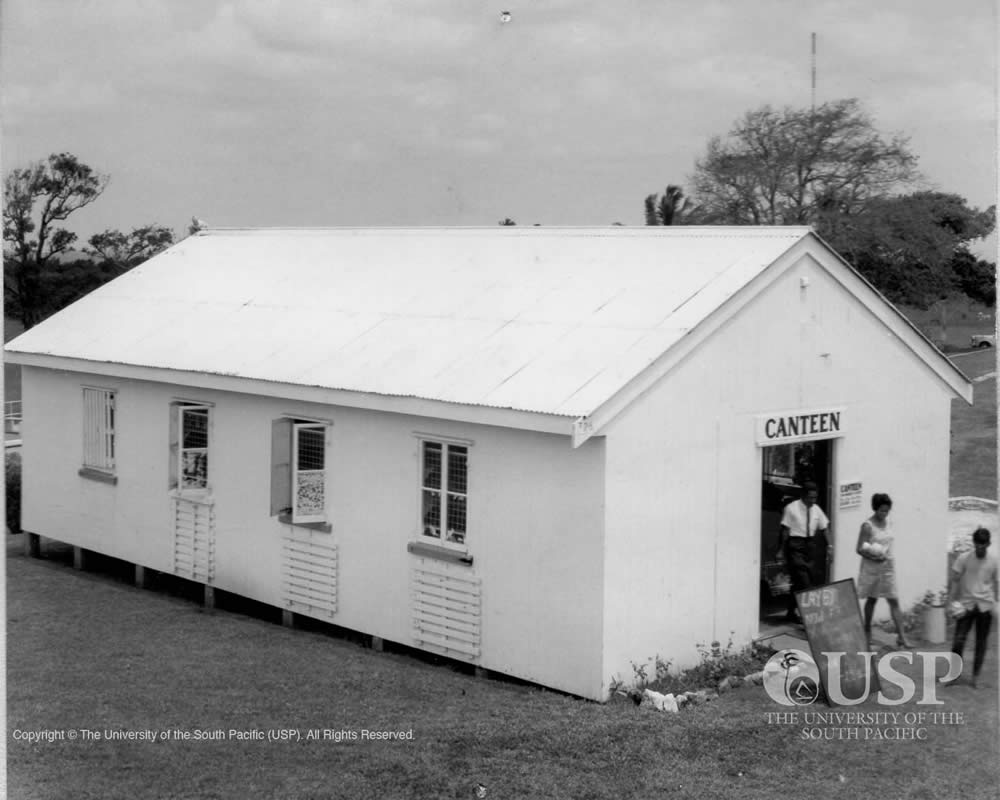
[551, 320]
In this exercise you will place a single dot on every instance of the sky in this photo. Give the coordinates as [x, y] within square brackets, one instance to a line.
[436, 112]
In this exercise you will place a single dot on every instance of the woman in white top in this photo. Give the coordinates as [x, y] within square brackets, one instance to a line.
[877, 576]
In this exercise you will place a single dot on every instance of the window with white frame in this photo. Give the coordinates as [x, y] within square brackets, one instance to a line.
[308, 472]
[191, 444]
[99, 429]
[444, 490]
[299, 469]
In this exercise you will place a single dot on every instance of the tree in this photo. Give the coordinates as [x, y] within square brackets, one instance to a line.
[124, 251]
[800, 167]
[71, 280]
[913, 247]
[666, 209]
[41, 274]
[506, 222]
[977, 278]
[36, 199]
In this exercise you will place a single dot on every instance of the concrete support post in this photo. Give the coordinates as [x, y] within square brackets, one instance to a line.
[32, 545]
[287, 618]
[209, 597]
[378, 644]
[79, 558]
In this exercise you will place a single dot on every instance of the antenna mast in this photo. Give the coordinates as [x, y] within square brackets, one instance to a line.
[814, 72]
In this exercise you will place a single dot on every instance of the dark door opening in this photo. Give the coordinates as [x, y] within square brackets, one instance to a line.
[785, 468]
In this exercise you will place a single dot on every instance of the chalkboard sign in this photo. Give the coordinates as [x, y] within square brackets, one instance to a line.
[833, 624]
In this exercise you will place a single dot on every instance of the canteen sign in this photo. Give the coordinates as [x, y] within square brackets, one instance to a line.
[800, 426]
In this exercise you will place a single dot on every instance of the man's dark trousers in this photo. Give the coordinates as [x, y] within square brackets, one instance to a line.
[805, 557]
[982, 621]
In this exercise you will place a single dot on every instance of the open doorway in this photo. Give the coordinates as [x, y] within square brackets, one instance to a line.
[785, 468]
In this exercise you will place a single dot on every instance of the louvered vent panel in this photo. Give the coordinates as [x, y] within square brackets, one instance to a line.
[446, 610]
[309, 572]
[194, 540]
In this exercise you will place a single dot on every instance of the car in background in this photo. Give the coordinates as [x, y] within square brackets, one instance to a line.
[983, 340]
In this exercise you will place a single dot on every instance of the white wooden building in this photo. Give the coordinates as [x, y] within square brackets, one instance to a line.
[538, 450]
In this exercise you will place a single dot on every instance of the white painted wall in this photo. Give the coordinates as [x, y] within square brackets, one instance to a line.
[683, 467]
[535, 513]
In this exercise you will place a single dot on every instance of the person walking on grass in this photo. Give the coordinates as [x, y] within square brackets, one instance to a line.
[877, 576]
[973, 584]
[803, 542]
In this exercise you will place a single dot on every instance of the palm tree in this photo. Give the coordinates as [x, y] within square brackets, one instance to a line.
[666, 209]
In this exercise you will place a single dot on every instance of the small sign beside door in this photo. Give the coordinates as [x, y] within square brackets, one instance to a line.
[850, 494]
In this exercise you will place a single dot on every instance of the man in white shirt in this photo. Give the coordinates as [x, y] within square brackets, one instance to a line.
[804, 543]
[973, 583]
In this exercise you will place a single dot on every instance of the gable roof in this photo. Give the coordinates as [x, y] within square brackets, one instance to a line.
[546, 320]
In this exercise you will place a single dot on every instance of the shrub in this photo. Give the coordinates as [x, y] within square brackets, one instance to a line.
[13, 473]
[640, 674]
[717, 662]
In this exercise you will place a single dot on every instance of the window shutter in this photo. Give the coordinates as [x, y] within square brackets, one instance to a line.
[174, 445]
[281, 466]
[91, 427]
[108, 445]
[98, 428]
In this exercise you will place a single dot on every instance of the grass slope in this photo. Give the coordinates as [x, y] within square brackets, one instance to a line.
[974, 431]
[87, 652]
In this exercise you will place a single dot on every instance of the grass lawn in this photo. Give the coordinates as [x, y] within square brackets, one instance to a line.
[974, 430]
[85, 651]
[963, 318]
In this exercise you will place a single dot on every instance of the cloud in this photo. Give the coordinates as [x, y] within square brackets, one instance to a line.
[202, 99]
[375, 30]
[434, 93]
[69, 93]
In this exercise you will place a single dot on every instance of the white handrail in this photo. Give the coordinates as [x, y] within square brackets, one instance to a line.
[12, 416]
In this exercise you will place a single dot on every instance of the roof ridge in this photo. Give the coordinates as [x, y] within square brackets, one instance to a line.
[693, 231]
